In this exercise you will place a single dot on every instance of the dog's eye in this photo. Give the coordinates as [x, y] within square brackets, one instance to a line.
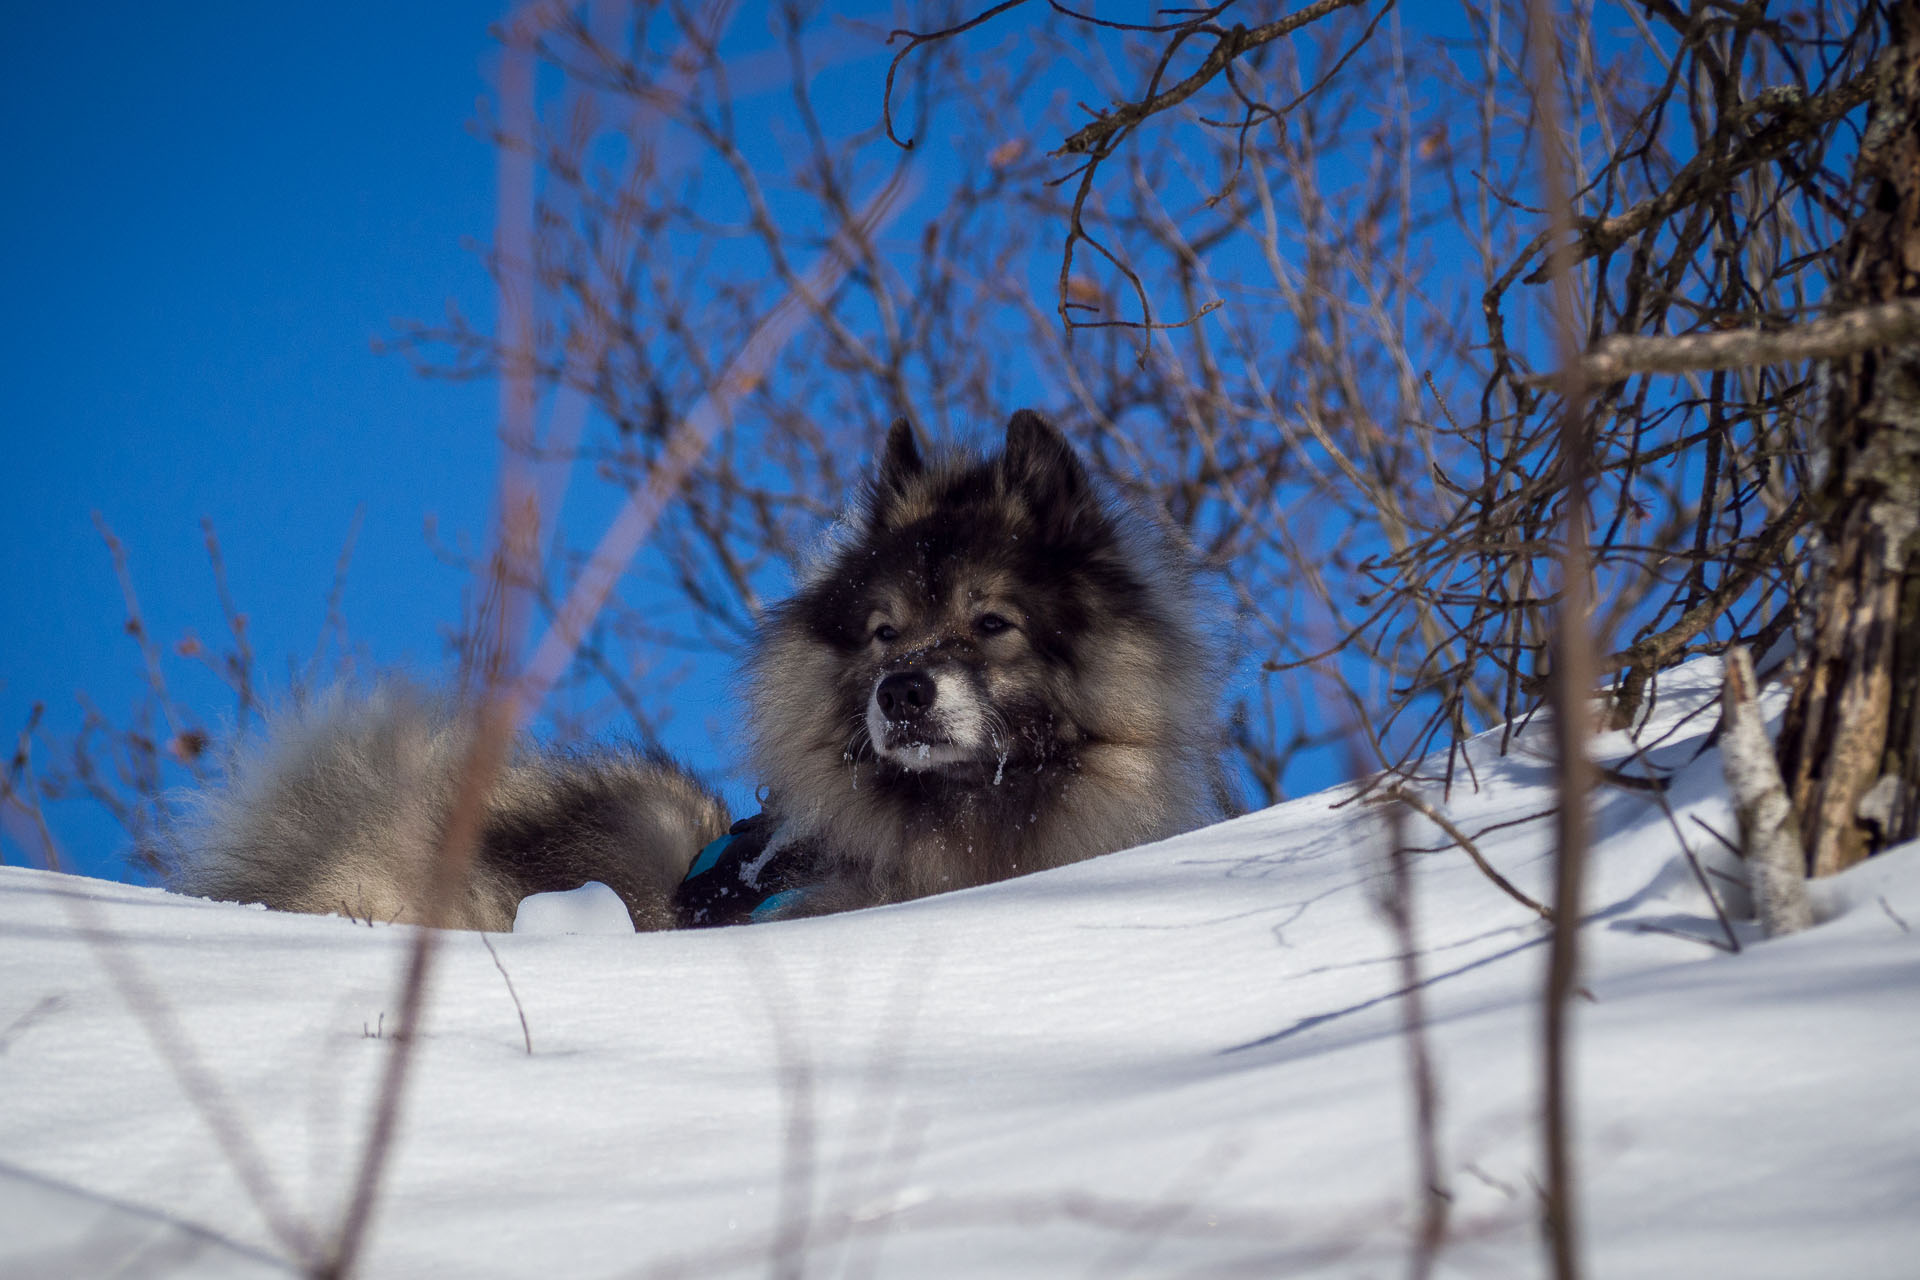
[886, 634]
[990, 624]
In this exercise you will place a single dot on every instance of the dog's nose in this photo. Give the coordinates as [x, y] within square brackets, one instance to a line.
[905, 695]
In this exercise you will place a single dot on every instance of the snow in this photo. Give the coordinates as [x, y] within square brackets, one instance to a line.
[1183, 1058]
[592, 908]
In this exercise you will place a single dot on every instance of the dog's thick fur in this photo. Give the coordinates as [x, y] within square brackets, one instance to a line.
[999, 671]
[994, 670]
[346, 807]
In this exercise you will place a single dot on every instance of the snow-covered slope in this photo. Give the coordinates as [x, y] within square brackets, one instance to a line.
[1183, 1058]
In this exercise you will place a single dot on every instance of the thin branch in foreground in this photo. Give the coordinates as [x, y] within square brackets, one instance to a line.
[1715, 832]
[22, 821]
[517, 541]
[485, 758]
[195, 1078]
[507, 703]
[1571, 645]
[42, 1008]
[637, 516]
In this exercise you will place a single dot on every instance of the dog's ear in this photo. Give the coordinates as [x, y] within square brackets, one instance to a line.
[900, 459]
[1041, 464]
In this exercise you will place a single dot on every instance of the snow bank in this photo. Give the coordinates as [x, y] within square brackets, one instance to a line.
[1182, 1057]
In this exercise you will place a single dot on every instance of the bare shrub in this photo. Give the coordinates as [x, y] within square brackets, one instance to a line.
[1287, 282]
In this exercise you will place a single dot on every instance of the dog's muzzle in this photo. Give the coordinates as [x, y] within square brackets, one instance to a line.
[924, 718]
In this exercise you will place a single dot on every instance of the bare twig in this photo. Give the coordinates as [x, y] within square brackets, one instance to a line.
[1100, 136]
[485, 756]
[1431, 812]
[136, 626]
[237, 670]
[914, 40]
[1659, 794]
[20, 797]
[1794, 121]
[196, 1079]
[501, 715]
[334, 622]
[526, 1036]
[637, 517]
[495, 722]
[22, 820]
[44, 1007]
[1716, 833]
[1572, 648]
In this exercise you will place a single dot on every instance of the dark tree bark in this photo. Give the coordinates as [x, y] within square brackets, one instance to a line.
[1850, 748]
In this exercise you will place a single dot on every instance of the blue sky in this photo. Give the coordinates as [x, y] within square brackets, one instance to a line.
[213, 209]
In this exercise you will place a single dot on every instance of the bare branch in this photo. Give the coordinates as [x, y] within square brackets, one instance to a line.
[526, 1035]
[1795, 121]
[1426, 809]
[1103, 134]
[914, 40]
[1622, 355]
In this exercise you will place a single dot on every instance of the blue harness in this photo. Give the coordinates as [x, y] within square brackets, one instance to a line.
[746, 876]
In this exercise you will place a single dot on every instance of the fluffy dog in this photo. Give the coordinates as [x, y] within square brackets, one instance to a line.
[993, 669]
[997, 671]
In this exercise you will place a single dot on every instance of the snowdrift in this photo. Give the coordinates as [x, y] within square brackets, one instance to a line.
[1185, 1058]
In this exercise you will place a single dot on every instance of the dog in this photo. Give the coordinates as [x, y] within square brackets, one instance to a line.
[997, 670]
[992, 668]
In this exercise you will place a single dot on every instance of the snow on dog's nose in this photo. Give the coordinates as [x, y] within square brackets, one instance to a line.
[905, 695]
[925, 718]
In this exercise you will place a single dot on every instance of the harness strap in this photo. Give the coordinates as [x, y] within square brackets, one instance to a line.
[755, 872]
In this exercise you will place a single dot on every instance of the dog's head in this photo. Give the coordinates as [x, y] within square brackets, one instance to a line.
[966, 601]
[983, 617]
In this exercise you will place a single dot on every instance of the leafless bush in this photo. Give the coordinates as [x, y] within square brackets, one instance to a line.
[1357, 430]
[1349, 414]
[1286, 280]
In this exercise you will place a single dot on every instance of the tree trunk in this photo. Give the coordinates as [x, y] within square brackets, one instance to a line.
[1850, 747]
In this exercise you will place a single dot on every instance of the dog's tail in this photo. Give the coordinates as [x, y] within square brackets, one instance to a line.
[343, 805]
